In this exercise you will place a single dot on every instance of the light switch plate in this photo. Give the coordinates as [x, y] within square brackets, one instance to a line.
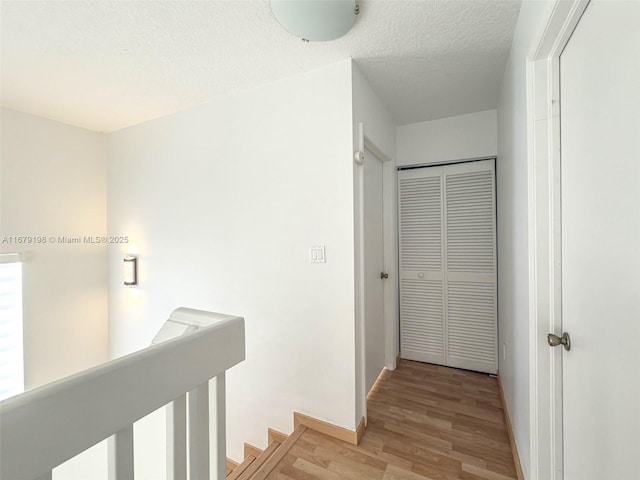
[317, 254]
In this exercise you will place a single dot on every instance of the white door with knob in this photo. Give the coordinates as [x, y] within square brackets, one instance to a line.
[600, 183]
[373, 223]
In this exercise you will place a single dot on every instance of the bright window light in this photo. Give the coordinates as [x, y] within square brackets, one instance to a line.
[11, 351]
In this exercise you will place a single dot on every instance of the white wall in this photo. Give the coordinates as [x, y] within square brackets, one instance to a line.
[513, 250]
[379, 128]
[223, 203]
[369, 110]
[53, 183]
[453, 138]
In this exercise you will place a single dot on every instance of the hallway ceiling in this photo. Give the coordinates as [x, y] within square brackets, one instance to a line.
[106, 65]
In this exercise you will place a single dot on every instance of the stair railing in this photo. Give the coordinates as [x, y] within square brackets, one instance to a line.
[43, 428]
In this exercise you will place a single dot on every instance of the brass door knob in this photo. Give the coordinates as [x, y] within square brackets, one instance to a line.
[555, 340]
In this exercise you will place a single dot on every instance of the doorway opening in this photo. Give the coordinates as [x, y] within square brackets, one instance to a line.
[376, 287]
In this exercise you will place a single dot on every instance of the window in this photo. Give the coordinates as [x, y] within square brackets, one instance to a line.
[11, 351]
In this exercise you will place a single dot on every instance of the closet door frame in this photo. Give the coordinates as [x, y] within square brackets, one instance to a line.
[440, 165]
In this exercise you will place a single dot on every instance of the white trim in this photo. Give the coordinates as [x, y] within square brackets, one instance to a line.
[10, 257]
[361, 387]
[543, 125]
[373, 148]
[445, 162]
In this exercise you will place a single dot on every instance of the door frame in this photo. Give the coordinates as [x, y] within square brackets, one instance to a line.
[466, 165]
[389, 219]
[544, 225]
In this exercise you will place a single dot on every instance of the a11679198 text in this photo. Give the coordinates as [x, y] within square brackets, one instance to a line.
[64, 239]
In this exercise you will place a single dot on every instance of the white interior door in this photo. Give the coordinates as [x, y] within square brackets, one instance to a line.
[373, 268]
[600, 158]
[448, 303]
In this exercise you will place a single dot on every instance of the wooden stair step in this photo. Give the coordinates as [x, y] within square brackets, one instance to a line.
[250, 450]
[262, 471]
[255, 466]
[231, 466]
[239, 470]
[276, 436]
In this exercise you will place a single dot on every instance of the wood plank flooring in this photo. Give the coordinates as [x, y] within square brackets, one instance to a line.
[425, 422]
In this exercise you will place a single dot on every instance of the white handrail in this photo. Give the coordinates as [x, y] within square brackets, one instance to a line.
[42, 428]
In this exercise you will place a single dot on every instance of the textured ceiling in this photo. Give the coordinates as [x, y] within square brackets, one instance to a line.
[105, 65]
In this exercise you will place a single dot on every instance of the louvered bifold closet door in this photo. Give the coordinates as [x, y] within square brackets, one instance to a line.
[447, 228]
[422, 330]
[470, 266]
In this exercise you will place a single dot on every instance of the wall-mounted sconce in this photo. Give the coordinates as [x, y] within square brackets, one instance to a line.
[130, 270]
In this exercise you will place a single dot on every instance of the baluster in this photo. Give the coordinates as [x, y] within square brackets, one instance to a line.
[177, 439]
[218, 428]
[120, 447]
[199, 433]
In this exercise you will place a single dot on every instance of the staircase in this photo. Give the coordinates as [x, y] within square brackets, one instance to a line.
[46, 426]
[258, 464]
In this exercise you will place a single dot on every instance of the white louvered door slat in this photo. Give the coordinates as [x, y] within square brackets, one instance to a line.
[448, 277]
[421, 265]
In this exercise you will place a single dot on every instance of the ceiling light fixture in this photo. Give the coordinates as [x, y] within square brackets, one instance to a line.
[316, 20]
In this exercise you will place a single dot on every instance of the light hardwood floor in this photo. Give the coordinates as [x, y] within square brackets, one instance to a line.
[425, 422]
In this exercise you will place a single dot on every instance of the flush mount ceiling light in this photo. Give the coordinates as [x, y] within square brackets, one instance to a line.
[316, 20]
